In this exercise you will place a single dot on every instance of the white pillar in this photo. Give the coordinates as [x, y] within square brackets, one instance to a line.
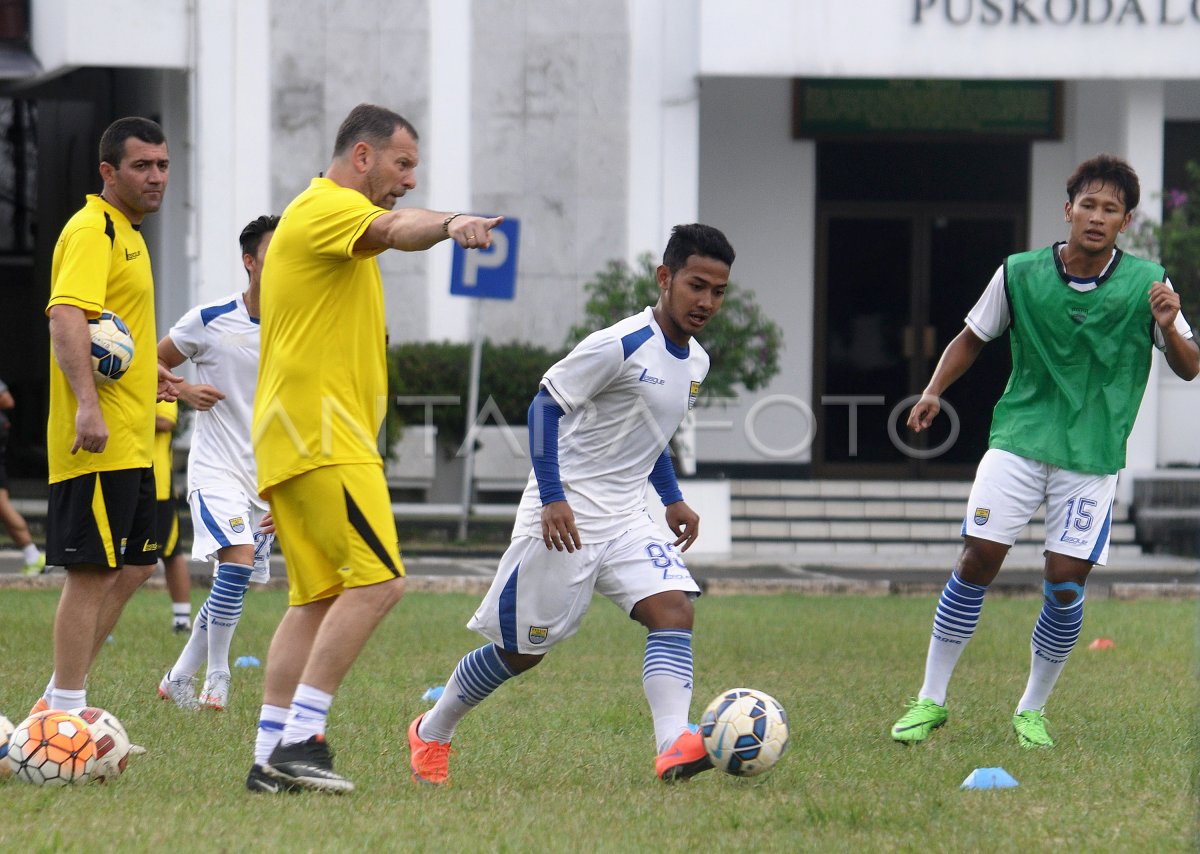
[1141, 114]
[449, 172]
[664, 120]
[231, 139]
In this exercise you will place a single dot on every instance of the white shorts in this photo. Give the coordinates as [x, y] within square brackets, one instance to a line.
[225, 516]
[1009, 489]
[540, 595]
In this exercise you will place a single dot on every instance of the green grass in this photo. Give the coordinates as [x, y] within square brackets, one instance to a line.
[562, 759]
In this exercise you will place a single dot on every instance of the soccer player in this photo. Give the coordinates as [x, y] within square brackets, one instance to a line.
[166, 416]
[1082, 316]
[582, 524]
[231, 523]
[322, 395]
[14, 522]
[100, 440]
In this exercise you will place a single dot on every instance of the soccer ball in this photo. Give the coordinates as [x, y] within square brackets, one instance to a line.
[52, 748]
[745, 731]
[112, 743]
[112, 347]
[6, 731]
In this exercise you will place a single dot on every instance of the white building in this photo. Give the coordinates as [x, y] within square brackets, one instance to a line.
[872, 162]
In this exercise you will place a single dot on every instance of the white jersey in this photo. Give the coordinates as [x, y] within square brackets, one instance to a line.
[625, 390]
[222, 340]
[990, 317]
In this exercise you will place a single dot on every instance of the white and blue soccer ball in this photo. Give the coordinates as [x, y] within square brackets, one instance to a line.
[112, 347]
[745, 731]
[6, 731]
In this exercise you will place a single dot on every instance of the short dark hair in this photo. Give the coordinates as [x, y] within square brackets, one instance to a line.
[1110, 170]
[372, 125]
[252, 234]
[112, 141]
[696, 239]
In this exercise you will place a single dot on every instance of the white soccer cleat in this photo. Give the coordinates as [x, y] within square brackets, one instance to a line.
[181, 691]
[215, 693]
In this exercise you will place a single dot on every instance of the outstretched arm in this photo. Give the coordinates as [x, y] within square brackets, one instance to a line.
[414, 229]
[958, 356]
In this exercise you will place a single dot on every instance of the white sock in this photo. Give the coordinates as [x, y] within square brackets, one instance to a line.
[477, 675]
[195, 651]
[271, 720]
[954, 624]
[307, 716]
[181, 612]
[1054, 636]
[667, 682]
[67, 700]
[48, 694]
[224, 611]
[31, 553]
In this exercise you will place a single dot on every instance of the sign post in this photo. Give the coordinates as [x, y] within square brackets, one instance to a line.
[483, 274]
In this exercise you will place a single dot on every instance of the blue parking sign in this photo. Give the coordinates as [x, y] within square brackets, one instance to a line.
[488, 273]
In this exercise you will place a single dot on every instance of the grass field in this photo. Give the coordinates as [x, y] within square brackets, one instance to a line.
[562, 759]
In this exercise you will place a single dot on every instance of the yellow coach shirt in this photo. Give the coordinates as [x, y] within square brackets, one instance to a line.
[101, 264]
[322, 375]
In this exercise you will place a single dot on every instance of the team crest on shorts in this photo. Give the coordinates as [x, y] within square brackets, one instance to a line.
[538, 634]
[238, 524]
[693, 393]
[981, 515]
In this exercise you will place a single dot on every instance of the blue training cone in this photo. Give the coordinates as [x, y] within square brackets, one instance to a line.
[989, 778]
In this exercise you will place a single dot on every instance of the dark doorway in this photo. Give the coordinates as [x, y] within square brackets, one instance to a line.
[899, 265]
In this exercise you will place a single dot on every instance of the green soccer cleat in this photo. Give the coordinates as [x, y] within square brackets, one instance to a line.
[922, 718]
[1031, 729]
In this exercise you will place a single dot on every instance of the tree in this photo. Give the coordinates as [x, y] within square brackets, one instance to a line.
[743, 343]
[1175, 242]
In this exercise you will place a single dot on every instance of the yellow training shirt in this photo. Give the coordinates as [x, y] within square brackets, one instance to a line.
[322, 375]
[101, 263]
[169, 410]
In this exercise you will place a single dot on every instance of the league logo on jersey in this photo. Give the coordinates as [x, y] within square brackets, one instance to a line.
[238, 524]
[981, 516]
[693, 393]
[537, 634]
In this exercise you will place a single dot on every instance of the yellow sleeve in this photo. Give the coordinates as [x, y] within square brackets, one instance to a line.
[82, 276]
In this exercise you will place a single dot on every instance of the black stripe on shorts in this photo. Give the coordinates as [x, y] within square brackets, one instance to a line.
[359, 522]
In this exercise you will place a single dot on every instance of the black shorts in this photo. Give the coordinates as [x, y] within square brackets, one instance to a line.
[3, 461]
[166, 527]
[111, 526]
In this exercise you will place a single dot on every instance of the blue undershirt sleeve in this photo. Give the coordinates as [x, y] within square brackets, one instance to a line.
[663, 478]
[544, 414]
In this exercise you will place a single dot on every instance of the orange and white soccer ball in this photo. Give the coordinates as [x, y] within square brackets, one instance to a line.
[745, 731]
[52, 748]
[112, 742]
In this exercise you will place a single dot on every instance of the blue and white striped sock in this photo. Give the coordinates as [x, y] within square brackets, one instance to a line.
[1054, 636]
[224, 609]
[667, 682]
[954, 624]
[307, 716]
[271, 720]
[478, 674]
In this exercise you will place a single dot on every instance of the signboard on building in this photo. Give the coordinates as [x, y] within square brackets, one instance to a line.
[926, 109]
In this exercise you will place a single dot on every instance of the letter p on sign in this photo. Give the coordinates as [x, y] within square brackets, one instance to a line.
[488, 273]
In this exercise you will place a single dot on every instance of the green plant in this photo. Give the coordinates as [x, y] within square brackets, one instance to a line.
[508, 380]
[1175, 242]
[743, 343]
